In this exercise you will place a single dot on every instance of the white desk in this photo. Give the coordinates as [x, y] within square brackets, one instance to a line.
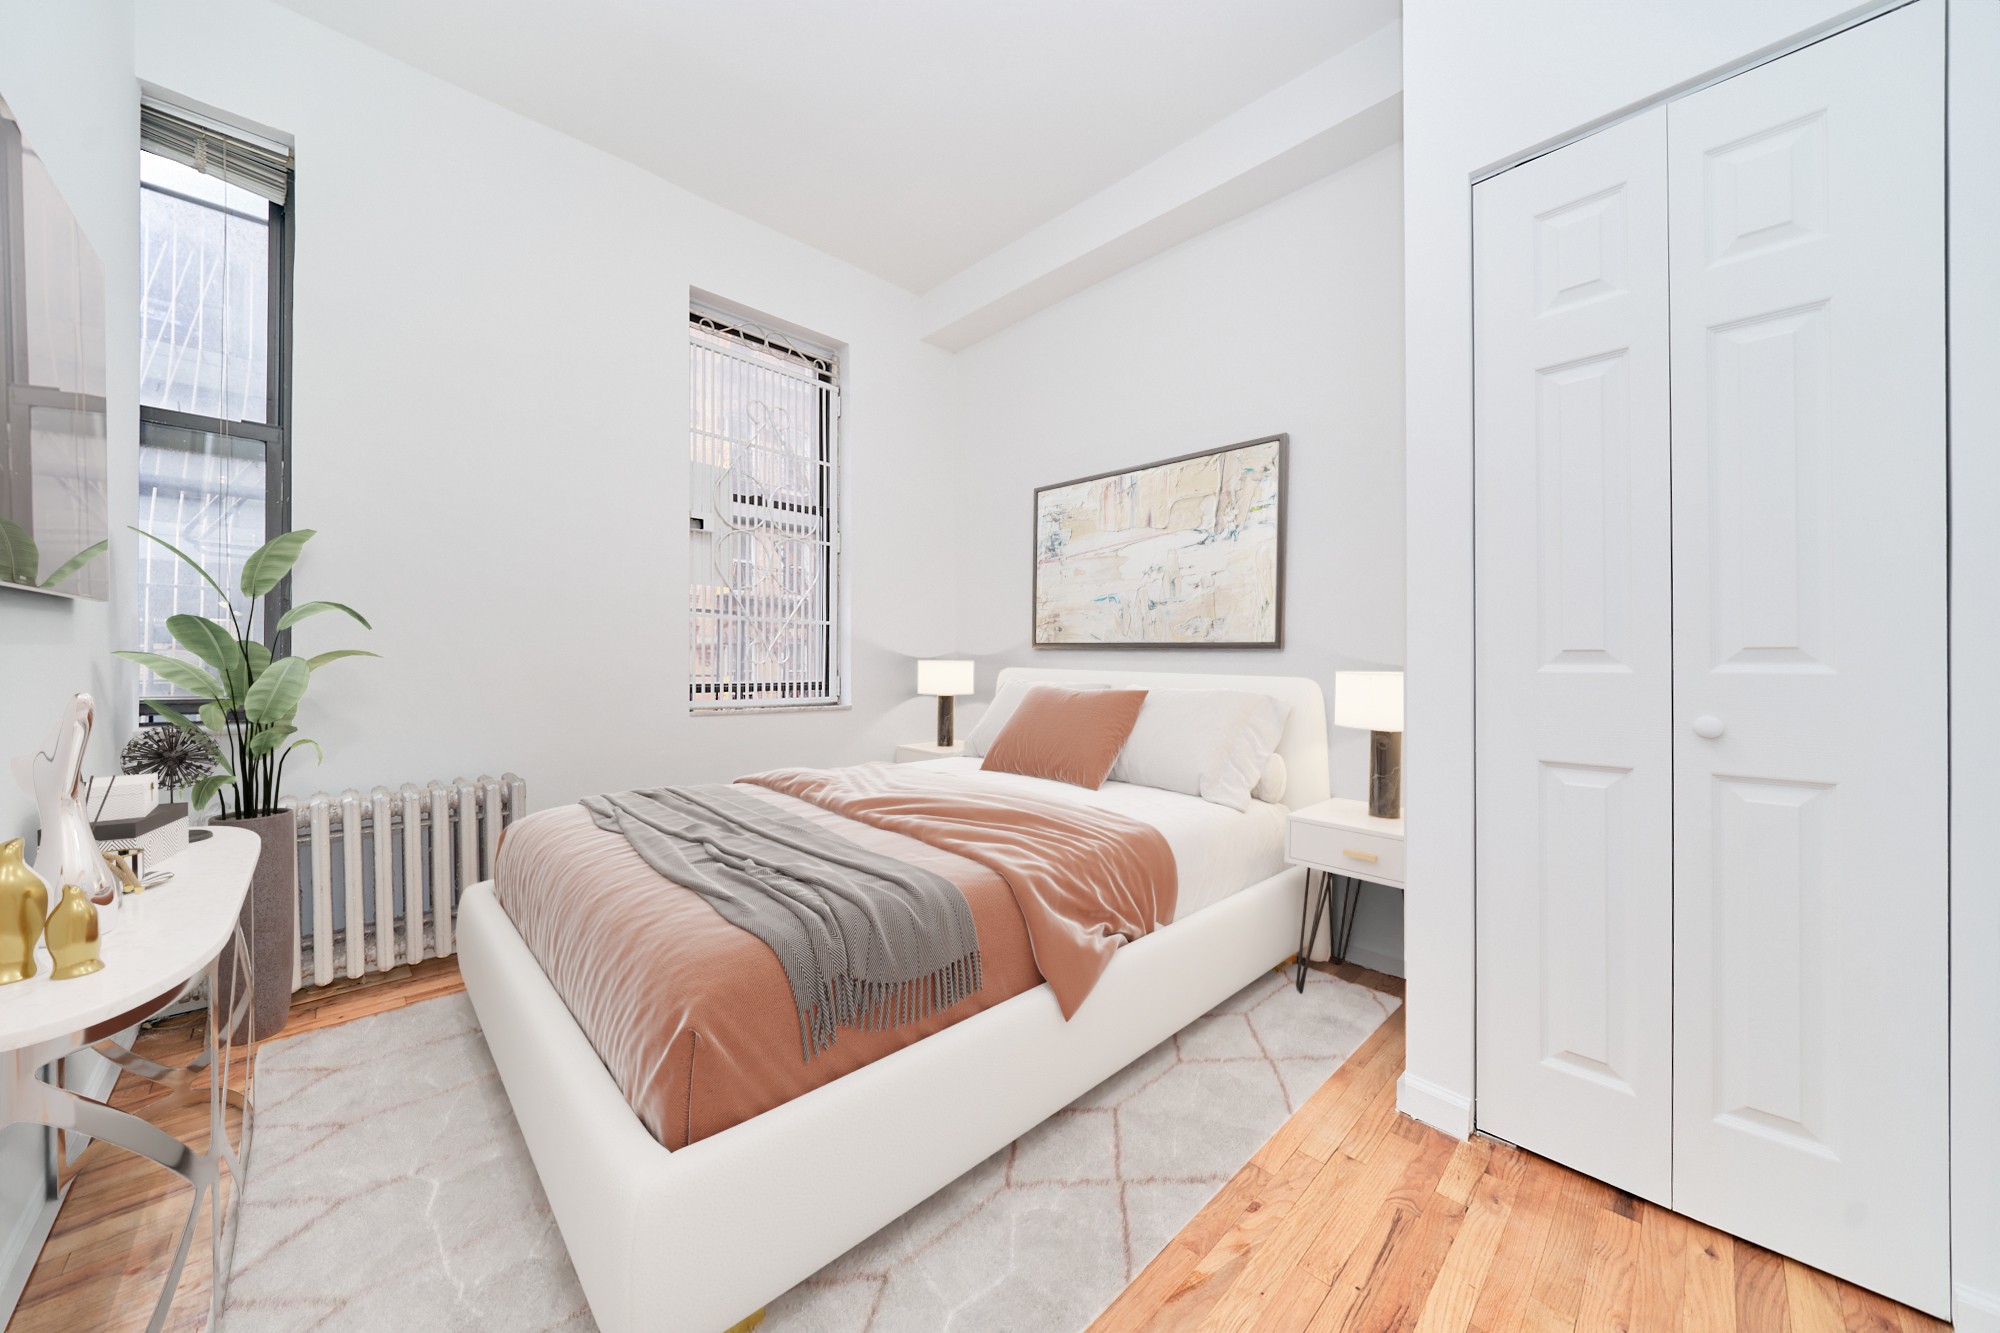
[1344, 845]
[158, 941]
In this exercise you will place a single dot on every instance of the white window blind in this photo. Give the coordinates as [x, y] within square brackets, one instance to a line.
[242, 159]
[763, 520]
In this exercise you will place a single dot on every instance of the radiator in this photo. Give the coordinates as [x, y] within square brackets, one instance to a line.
[380, 874]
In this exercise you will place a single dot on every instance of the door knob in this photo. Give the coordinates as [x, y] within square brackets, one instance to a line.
[1708, 726]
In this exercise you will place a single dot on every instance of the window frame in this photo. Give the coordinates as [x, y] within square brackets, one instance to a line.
[274, 431]
[827, 361]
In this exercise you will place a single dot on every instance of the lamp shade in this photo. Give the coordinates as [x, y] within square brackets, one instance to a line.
[1368, 700]
[944, 675]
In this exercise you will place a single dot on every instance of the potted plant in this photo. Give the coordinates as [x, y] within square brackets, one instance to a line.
[249, 710]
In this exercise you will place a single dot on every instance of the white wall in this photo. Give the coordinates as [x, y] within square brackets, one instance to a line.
[1484, 80]
[1287, 319]
[66, 70]
[490, 412]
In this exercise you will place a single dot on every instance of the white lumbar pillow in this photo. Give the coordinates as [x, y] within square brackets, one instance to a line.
[1214, 744]
[1001, 711]
[1271, 786]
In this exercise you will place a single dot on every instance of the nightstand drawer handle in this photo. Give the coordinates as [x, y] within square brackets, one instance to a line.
[1359, 856]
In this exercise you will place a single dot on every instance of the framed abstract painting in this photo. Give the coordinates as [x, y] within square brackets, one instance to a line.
[1184, 553]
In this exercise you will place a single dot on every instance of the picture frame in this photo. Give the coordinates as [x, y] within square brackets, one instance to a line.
[1183, 553]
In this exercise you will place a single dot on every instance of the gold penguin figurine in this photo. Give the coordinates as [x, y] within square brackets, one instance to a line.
[24, 901]
[72, 935]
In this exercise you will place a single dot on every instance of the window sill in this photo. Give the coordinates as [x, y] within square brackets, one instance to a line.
[752, 710]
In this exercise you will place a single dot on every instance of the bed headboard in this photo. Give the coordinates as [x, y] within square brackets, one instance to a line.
[1303, 745]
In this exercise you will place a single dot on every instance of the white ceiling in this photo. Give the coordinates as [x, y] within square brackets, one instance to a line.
[909, 137]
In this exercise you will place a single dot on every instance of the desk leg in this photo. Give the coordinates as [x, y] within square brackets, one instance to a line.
[26, 1098]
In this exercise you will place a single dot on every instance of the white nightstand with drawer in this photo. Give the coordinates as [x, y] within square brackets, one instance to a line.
[1342, 845]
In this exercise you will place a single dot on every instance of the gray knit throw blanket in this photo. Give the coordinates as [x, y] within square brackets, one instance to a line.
[866, 941]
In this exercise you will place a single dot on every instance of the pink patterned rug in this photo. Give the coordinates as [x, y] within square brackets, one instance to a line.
[391, 1188]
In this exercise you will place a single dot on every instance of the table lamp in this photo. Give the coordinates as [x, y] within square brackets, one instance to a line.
[1372, 701]
[946, 678]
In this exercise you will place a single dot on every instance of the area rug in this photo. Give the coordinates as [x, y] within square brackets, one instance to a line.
[391, 1188]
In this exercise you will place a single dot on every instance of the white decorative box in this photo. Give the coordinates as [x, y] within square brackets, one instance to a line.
[160, 835]
[122, 796]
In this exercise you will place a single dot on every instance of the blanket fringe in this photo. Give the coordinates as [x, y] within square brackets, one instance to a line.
[875, 1006]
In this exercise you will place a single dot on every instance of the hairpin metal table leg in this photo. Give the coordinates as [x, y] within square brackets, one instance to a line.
[1305, 943]
[1342, 927]
[1322, 906]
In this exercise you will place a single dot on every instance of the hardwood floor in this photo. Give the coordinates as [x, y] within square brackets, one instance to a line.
[101, 1268]
[1356, 1218]
[1352, 1217]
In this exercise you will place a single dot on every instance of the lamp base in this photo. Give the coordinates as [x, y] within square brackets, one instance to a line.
[945, 720]
[1385, 774]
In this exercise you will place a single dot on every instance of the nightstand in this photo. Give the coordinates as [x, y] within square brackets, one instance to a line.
[916, 750]
[1343, 846]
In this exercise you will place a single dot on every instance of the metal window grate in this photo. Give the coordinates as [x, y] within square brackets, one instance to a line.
[763, 525]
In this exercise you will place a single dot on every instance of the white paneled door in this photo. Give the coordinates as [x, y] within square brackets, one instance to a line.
[1807, 225]
[1575, 726]
[1712, 618]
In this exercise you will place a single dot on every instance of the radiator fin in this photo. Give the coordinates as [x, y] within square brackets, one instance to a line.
[400, 860]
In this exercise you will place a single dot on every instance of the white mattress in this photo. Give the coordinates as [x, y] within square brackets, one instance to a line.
[1217, 851]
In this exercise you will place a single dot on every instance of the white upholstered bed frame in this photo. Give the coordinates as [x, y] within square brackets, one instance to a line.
[700, 1238]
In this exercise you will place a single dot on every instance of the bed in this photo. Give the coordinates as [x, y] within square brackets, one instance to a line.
[701, 1236]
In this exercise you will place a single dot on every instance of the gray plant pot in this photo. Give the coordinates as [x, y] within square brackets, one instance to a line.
[270, 921]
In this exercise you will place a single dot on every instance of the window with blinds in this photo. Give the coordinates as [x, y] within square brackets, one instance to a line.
[214, 445]
[763, 517]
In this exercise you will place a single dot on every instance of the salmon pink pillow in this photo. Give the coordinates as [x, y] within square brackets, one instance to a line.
[1065, 735]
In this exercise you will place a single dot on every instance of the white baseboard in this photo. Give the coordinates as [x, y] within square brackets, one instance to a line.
[1376, 962]
[1438, 1107]
[1974, 1311]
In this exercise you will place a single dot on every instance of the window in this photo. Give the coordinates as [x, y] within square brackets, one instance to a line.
[214, 316]
[763, 517]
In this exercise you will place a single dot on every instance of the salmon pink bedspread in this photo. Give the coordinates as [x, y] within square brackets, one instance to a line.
[694, 1017]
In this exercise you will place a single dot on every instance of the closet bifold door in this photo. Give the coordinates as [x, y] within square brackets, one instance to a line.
[1810, 1078]
[1575, 729]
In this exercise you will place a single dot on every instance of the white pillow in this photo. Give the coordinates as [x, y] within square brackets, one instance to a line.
[1271, 786]
[1208, 743]
[1002, 709]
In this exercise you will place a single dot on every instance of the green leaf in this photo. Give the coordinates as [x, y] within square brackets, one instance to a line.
[208, 787]
[268, 564]
[260, 659]
[267, 740]
[310, 609]
[184, 674]
[19, 560]
[214, 645]
[187, 559]
[306, 741]
[177, 717]
[215, 719]
[320, 660]
[76, 562]
[275, 697]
